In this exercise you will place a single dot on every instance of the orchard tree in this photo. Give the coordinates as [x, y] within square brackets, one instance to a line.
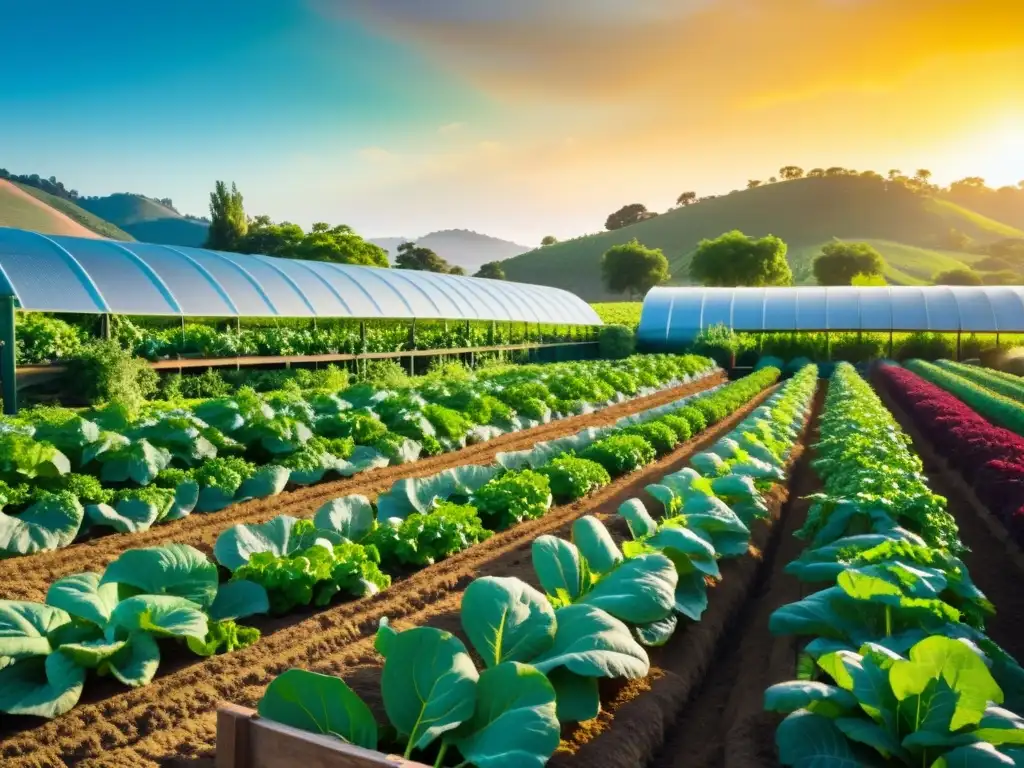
[790, 172]
[958, 276]
[753, 184]
[228, 223]
[416, 257]
[628, 215]
[839, 262]
[491, 270]
[687, 198]
[549, 240]
[734, 259]
[631, 268]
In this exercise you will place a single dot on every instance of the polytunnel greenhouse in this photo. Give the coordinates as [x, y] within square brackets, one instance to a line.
[674, 316]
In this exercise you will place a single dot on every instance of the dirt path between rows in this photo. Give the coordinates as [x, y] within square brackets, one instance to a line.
[988, 562]
[173, 720]
[725, 723]
[28, 578]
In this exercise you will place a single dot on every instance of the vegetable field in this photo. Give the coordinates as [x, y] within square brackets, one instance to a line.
[683, 571]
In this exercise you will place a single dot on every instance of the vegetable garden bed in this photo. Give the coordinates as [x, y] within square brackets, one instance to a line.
[28, 578]
[183, 700]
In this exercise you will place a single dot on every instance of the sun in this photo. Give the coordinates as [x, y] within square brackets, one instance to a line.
[996, 153]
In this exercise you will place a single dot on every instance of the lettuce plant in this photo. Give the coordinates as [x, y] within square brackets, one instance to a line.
[572, 477]
[423, 539]
[621, 454]
[511, 498]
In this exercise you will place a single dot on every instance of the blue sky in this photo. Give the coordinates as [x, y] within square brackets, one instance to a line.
[518, 118]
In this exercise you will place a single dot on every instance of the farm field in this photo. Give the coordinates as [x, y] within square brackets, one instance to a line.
[694, 691]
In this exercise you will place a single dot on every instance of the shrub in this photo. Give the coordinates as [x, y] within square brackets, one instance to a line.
[572, 477]
[385, 374]
[657, 433]
[103, 372]
[511, 498]
[621, 453]
[41, 339]
[616, 342]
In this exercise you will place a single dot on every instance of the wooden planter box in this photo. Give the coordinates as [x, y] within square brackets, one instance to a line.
[244, 740]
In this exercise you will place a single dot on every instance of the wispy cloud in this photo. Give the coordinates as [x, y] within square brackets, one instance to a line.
[451, 128]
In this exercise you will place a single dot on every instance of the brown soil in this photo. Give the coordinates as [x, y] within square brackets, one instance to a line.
[725, 723]
[642, 714]
[173, 720]
[989, 562]
[28, 578]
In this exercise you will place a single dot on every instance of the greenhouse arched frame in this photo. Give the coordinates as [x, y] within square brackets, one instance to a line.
[50, 273]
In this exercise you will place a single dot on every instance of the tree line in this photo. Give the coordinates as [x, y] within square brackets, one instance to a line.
[231, 229]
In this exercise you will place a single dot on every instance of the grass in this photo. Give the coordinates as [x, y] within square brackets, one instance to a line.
[16, 212]
[805, 213]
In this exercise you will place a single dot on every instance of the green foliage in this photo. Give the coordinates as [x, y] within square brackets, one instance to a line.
[620, 454]
[735, 259]
[572, 477]
[450, 425]
[491, 270]
[961, 276]
[617, 342]
[228, 223]
[625, 217]
[840, 262]
[657, 433]
[102, 372]
[315, 575]
[632, 268]
[998, 408]
[224, 473]
[511, 498]
[625, 313]
[417, 257]
[41, 338]
[423, 539]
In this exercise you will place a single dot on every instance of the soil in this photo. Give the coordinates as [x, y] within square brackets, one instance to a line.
[173, 720]
[653, 713]
[28, 578]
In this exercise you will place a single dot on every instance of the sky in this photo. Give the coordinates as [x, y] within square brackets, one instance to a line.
[516, 118]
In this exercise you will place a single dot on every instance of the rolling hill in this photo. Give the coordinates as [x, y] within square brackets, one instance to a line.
[806, 213]
[146, 219]
[459, 247]
[26, 207]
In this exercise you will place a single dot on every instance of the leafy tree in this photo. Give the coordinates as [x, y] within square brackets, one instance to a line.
[923, 175]
[955, 240]
[789, 172]
[457, 270]
[735, 259]
[868, 281]
[228, 224]
[687, 198]
[627, 215]
[416, 257]
[816, 173]
[753, 184]
[491, 270]
[894, 173]
[549, 240]
[839, 262]
[322, 243]
[772, 180]
[631, 268]
[958, 276]
[872, 175]
[838, 171]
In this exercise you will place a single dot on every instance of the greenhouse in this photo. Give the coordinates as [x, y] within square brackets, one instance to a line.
[672, 316]
[45, 273]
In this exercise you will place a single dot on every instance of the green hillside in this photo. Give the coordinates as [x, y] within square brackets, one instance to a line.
[806, 213]
[15, 211]
[147, 220]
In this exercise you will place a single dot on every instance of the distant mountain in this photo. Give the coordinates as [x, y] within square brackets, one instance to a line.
[146, 219]
[459, 247]
[27, 207]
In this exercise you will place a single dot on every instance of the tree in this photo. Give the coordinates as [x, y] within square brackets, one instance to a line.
[491, 270]
[868, 281]
[416, 257]
[894, 173]
[631, 268]
[790, 172]
[457, 270]
[687, 198]
[816, 173]
[549, 240]
[228, 224]
[839, 262]
[735, 259]
[955, 240]
[837, 170]
[923, 175]
[323, 242]
[628, 215]
[958, 276]
[772, 180]
[753, 184]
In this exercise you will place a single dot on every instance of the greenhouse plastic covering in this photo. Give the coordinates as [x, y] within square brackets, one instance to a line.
[672, 315]
[49, 273]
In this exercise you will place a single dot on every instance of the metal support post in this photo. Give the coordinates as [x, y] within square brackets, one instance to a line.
[8, 350]
[958, 345]
[412, 347]
[105, 327]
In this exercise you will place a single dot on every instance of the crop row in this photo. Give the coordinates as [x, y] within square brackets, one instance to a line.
[64, 475]
[997, 408]
[990, 458]
[1005, 384]
[544, 650]
[110, 622]
[897, 670]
